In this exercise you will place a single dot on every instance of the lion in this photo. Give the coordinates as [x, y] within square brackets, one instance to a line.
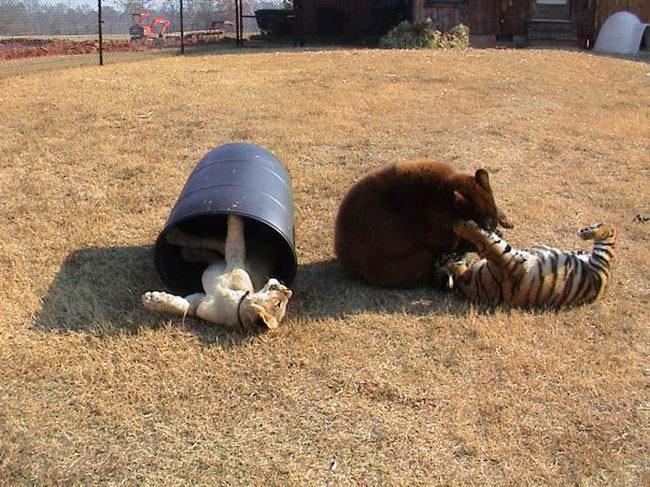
[229, 296]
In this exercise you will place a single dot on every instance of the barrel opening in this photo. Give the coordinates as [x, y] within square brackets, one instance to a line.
[184, 277]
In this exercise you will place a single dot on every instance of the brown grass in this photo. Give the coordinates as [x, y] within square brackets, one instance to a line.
[398, 387]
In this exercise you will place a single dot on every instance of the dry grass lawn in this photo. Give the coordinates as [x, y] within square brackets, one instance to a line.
[360, 386]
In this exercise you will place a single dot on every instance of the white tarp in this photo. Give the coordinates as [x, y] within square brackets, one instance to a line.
[620, 34]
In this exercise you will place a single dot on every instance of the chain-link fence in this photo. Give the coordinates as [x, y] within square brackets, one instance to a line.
[43, 34]
[31, 31]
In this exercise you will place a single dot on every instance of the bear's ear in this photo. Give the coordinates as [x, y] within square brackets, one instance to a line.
[483, 179]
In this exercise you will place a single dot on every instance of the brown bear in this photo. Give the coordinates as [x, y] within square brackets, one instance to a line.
[395, 223]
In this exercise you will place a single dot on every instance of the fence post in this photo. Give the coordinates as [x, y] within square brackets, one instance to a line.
[99, 26]
[241, 21]
[237, 21]
[182, 30]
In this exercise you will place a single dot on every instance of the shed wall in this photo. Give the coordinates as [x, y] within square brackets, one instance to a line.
[479, 15]
[483, 17]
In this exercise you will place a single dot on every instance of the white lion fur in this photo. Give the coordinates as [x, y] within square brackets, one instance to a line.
[229, 296]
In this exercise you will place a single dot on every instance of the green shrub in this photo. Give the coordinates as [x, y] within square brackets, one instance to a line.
[458, 37]
[407, 35]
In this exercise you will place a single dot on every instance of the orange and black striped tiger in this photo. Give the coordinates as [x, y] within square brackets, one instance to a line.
[541, 277]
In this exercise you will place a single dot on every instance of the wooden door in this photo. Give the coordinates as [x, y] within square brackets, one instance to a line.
[512, 17]
[551, 10]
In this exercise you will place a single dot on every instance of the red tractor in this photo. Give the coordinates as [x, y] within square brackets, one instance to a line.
[140, 30]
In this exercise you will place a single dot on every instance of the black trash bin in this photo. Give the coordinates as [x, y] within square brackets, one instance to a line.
[238, 178]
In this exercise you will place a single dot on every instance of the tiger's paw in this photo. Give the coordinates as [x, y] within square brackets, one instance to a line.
[453, 265]
[443, 279]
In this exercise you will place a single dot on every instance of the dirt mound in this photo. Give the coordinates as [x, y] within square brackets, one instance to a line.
[21, 48]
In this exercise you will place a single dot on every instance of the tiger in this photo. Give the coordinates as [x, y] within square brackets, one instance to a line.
[540, 277]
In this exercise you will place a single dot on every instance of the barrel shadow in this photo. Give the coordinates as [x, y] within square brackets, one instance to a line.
[98, 289]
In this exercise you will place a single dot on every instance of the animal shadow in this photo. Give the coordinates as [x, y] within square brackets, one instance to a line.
[323, 290]
[98, 291]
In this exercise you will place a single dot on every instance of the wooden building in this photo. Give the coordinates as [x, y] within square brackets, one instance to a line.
[528, 22]
[522, 22]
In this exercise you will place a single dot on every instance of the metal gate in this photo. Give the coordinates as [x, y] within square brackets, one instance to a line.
[280, 22]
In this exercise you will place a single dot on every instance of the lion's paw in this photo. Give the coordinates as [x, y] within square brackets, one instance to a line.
[165, 302]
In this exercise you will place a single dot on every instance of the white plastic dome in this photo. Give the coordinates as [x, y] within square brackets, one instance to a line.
[620, 34]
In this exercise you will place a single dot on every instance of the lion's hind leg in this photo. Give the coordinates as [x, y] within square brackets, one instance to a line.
[199, 255]
[176, 236]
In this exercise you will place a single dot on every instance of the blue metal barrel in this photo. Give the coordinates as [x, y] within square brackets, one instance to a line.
[238, 178]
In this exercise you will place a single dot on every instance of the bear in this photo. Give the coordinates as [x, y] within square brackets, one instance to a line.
[395, 224]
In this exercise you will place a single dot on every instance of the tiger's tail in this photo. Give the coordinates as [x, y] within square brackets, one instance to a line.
[598, 232]
[604, 237]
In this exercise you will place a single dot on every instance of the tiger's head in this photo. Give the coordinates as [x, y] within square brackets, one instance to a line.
[473, 200]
